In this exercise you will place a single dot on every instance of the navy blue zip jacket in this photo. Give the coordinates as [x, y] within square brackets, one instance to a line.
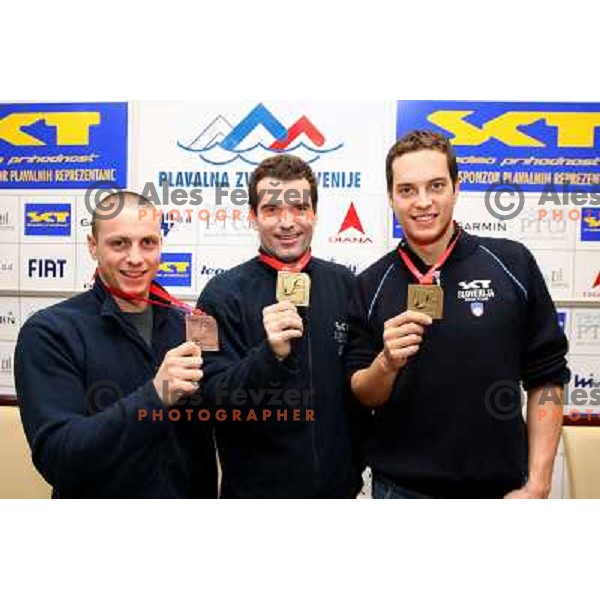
[270, 457]
[82, 375]
[453, 426]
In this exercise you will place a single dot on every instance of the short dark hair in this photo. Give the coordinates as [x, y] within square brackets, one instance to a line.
[414, 141]
[120, 197]
[283, 167]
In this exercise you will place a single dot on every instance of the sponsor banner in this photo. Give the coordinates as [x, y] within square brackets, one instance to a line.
[583, 392]
[564, 321]
[7, 378]
[351, 221]
[590, 226]
[9, 219]
[218, 260]
[9, 267]
[210, 145]
[63, 146]
[587, 275]
[176, 269]
[47, 220]
[46, 267]
[10, 321]
[557, 269]
[529, 144]
[585, 331]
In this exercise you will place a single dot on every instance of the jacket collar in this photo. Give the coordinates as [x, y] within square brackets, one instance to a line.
[109, 306]
[467, 244]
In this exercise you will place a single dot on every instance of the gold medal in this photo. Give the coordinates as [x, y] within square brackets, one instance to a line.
[293, 287]
[426, 299]
[203, 331]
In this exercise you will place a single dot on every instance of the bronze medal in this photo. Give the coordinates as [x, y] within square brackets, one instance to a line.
[203, 331]
[426, 299]
[293, 287]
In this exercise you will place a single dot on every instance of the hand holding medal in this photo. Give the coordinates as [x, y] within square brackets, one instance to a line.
[402, 337]
[281, 321]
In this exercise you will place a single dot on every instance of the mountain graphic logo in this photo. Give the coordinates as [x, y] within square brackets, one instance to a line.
[256, 137]
[352, 221]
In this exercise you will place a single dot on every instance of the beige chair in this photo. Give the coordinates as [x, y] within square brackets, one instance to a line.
[582, 450]
[18, 477]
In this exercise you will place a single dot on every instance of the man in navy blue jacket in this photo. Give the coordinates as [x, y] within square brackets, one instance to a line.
[95, 376]
[443, 332]
[278, 381]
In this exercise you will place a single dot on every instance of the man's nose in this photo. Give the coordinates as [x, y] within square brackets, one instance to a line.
[134, 256]
[424, 198]
[286, 217]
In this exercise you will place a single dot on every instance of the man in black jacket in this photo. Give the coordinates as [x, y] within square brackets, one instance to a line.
[443, 331]
[278, 382]
[95, 376]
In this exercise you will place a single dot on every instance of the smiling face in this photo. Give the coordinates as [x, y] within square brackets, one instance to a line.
[127, 248]
[423, 196]
[285, 219]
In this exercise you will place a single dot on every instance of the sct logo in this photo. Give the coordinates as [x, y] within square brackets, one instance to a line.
[48, 219]
[590, 225]
[175, 270]
[573, 129]
[70, 128]
[478, 284]
[46, 268]
[221, 143]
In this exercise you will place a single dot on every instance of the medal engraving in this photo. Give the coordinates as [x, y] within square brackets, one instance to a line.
[203, 331]
[293, 287]
[426, 299]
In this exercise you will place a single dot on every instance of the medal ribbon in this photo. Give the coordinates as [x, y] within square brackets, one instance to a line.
[168, 301]
[427, 278]
[279, 265]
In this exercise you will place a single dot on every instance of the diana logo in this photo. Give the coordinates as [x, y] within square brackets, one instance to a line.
[590, 225]
[175, 270]
[48, 219]
[222, 143]
[350, 228]
[477, 309]
[478, 290]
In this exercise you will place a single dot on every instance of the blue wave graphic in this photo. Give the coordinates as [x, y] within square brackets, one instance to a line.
[239, 154]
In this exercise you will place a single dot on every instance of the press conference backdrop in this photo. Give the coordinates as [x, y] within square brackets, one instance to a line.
[193, 156]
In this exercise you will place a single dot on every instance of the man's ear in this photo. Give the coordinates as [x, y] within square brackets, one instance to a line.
[92, 246]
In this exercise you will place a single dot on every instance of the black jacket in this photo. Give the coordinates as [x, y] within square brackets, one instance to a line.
[273, 458]
[453, 425]
[82, 375]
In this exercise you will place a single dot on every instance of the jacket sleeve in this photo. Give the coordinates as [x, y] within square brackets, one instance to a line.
[364, 344]
[238, 365]
[545, 344]
[70, 446]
